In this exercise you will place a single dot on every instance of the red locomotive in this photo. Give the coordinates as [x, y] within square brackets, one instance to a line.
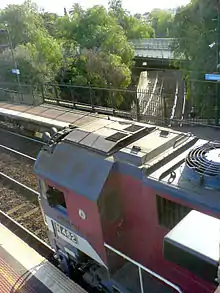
[112, 189]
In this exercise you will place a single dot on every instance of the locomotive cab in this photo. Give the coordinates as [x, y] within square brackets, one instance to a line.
[81, 196]
[75, 203]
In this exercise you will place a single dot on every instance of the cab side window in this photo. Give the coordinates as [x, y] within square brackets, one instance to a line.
[55, 197]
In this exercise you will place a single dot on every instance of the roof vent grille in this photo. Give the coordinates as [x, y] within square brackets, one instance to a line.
[133, 128]
[203, 165]
[117, 136]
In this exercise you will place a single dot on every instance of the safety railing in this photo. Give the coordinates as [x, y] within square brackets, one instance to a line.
[141, 267]
[105, 101]
[153, 44]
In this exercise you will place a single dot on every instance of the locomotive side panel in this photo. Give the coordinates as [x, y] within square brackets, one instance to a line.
[145, 235]
[84, 217]
[112, 219]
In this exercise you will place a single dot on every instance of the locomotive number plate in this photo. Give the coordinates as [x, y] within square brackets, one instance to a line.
[66, 234]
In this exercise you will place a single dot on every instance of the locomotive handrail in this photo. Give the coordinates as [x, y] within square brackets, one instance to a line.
[141, 267]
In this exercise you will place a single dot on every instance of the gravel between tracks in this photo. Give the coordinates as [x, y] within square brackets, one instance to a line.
[18, 168]
[10, 199]
[29, 214]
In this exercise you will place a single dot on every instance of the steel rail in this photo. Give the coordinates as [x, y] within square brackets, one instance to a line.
[17, 152]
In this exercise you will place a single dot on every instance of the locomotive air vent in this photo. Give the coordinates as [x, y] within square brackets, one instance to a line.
[117, 136]
[203, 165]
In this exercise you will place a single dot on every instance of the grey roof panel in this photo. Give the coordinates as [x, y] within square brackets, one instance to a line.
[76, 135]
[75, 168]
[89, 140]
[105, 137]
[103, 145]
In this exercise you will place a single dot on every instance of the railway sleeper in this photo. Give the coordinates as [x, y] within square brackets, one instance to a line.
[15, 209]
[26, 215]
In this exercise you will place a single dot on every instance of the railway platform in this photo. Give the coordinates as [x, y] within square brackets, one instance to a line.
[44, 116]
[41, 118]
[23, 270]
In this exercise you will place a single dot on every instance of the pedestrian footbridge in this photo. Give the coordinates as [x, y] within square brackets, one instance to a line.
[154, 48]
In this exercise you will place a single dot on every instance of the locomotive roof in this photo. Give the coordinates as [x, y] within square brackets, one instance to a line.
[136, 143]
[155, 153]
[107, 136]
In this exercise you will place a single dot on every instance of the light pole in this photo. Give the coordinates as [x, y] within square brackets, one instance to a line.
[14, 61]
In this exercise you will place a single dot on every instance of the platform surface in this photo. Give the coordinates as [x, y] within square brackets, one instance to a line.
[48, 114]
[23, 270]
[62, 116]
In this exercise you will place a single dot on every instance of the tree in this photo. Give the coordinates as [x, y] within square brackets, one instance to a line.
[23, 21]
[38, 63]
[102, 54]
[83, 47]
[97, 31]
[194, 30]
[49, 20]
[77, 11]
[100, 70]
[161, 21]
[135, 27]
[37, 53]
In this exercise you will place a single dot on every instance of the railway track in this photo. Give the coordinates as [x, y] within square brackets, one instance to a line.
[17, 157]
[19, 195]
[21, 203]
[18, 166]
[19, 142]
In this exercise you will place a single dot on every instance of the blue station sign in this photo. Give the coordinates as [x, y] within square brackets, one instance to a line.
[213, 77]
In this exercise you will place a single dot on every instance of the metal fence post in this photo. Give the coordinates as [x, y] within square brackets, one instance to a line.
[90, 96]
[56, 94]
[32, 91]
[42, 92]
[72, 97]
[165, 110]
[137, 105]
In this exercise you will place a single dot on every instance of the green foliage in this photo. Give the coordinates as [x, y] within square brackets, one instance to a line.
[162, 22]
[35, 66]
[133, 26]
[37, 54]
[195, 29]
[23, 21]
[136, 28]
[82, 47]
[49, 20]
[100, 40]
